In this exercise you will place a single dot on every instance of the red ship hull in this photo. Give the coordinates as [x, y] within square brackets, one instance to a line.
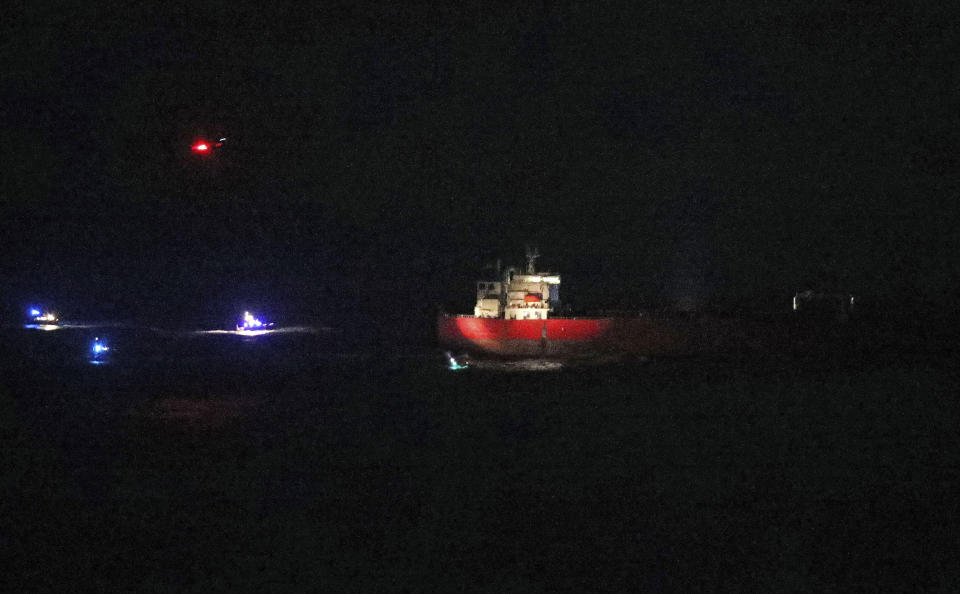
[585, 337]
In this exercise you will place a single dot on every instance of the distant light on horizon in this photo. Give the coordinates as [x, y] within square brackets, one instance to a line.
[201, 147]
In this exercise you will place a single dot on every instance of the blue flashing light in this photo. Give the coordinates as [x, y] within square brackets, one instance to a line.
[34, 312]
[99, 347]
[250, 322]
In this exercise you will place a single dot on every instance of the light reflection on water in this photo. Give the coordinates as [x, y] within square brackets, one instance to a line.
[236, 332]
[76, 326]
[283, 330]
[44, 327]
[522, 365]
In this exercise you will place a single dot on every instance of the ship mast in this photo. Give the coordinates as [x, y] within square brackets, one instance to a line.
[532, 254]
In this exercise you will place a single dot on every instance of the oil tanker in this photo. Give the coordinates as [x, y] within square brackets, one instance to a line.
[515, 316]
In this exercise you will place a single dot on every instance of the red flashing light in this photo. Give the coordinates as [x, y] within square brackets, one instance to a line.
[200, 147]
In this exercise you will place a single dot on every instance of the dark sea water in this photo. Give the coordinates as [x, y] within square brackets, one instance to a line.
[298, 460]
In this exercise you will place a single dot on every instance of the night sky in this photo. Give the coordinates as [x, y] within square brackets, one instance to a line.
[379, 157]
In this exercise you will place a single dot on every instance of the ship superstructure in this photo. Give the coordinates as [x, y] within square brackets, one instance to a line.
[531, 295]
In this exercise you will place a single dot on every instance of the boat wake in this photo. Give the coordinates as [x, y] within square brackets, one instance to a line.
[76, 326]
[518, 366]
[260, 332]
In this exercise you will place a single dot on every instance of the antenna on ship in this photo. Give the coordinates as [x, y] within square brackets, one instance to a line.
[532, 254]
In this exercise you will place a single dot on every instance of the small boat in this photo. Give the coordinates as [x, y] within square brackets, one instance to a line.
[251, 323]
[99, 347]
[41, 318]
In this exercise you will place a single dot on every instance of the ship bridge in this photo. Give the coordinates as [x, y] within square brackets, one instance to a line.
[529, 296]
